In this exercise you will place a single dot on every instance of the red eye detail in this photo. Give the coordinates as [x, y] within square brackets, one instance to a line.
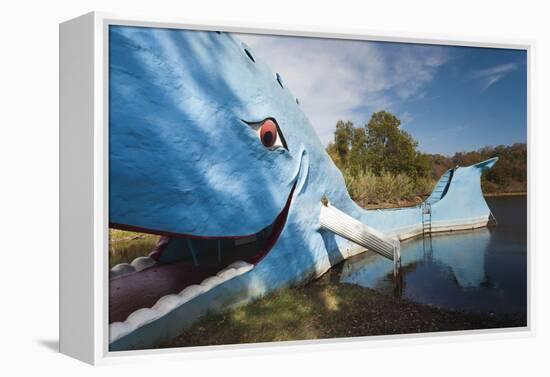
[268, 133]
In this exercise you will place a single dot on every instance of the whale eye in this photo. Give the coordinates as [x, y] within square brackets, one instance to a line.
[268, 133]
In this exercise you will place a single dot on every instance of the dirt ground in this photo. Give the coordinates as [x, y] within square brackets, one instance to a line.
[329, 309]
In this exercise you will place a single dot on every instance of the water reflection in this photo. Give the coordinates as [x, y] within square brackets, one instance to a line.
[482, 270]
[464, 267]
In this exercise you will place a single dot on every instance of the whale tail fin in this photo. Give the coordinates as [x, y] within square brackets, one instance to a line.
[444, 183]
[458, 195]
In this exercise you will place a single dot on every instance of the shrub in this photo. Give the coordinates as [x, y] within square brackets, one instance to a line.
[365, 187]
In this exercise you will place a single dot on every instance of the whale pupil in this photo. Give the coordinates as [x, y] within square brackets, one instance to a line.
[268, 138]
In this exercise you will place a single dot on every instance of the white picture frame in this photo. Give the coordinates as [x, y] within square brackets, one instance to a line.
[84, 186]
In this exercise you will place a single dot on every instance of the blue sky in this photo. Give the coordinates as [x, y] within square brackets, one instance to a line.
[449, 98]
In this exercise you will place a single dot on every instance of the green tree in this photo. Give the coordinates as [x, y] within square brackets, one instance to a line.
[358, 154]
[342, 139]
[390, 149]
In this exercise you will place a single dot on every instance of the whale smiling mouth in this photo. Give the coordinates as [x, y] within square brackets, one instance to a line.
[201, 260]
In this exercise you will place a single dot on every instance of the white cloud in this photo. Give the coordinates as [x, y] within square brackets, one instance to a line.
[341, 79]
[405, 118]
[492, 75]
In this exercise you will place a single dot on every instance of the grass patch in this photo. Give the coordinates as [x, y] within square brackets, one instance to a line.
[126, 246]
[327, 309]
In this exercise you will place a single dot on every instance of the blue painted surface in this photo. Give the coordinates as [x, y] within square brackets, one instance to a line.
[464, 198]
[183, 161]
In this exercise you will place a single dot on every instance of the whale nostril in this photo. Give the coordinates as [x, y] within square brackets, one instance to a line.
[249, 54]
[279, 80]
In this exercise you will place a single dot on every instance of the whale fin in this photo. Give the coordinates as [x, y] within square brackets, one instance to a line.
[444, 183]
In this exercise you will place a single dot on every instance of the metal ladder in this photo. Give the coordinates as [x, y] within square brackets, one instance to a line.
[428, 250]
[427, 219]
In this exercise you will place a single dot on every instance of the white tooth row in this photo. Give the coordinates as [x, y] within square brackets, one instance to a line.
[170, 302]
[136, 265]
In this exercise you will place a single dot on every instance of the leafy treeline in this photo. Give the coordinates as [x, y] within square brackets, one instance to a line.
[508, 175]
[380, 163]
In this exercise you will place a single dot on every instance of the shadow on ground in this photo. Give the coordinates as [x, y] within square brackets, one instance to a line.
[50, 344]
[329, 309]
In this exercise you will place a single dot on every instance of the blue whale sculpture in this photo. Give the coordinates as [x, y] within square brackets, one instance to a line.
[209, 148]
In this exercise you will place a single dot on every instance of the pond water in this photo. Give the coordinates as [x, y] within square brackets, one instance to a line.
[483, 270]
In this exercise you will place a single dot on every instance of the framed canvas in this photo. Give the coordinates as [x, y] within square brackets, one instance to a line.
[254, 188]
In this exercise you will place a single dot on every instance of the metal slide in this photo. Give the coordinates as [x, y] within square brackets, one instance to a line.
[347, 227]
